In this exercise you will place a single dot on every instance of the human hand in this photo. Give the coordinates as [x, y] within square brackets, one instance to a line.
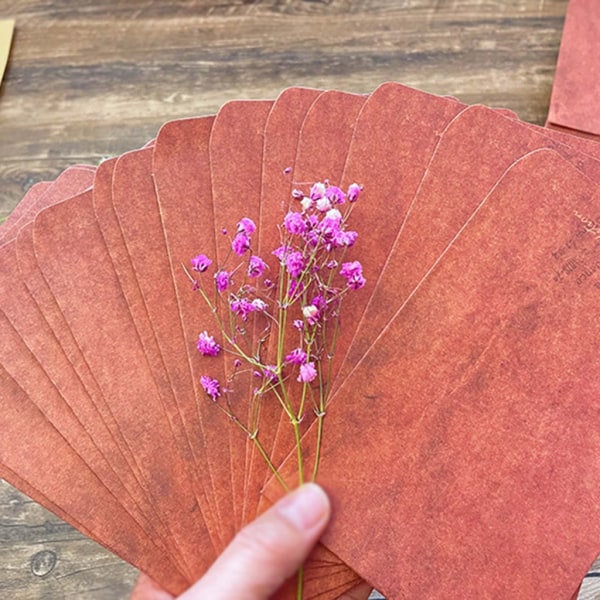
[263, 555]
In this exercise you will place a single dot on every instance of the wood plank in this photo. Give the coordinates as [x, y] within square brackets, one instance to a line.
[43, 558]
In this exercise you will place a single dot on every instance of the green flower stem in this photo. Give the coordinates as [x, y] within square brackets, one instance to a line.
[253, 435]
[320, 416]
[271, 466]
[296, 426]
[300, 586]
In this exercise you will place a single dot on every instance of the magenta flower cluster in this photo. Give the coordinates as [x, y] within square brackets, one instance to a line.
[307, 293]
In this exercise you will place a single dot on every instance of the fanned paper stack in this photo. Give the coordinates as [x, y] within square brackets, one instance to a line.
[460, 448]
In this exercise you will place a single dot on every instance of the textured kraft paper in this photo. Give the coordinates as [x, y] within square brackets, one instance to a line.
[325, 576]
[106, 217]
[182, 191]
[120, 369]
[576, 88]
[282, 135]
[70, 481]
[181, 171]
[483, 388]
[37, 386]
[130, 204]
[136, 210]
[64, 401]
[120, 456]
[449, 192]
[42, 296]
[31, 325]
[236, 152]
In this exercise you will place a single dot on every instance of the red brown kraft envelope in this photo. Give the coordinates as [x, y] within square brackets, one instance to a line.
[70, 481]
[457, 463]
[574, 103]
[181, 171]
[84, 303]
[395, 135]
[236, 145]
[122, 264]
[67, 405]
[43, 298]
[24, 313]
[136, 210]
[321, 152]
[448, 194]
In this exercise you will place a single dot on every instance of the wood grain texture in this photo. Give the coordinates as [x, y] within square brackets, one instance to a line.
[88, 79]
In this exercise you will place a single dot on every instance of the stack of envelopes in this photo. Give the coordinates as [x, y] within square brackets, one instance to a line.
[461, 448]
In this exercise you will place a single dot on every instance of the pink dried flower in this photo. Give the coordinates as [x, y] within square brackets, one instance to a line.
[306, 203]
[211, 386]
[287, 170]
[350, 269]
[334, 214]
[356, 282]
[320, 302]
[311, 314]
[352, 272]
[270, 372]
[281, 252]
[307, 372]
[256, 266]
[207, 345]
[201, 262]
[298, 324]
[317, 191]
[222, 280]
[345, 239]
[241, 243]
[323, 204]
[247, 226]
[329, 227]
[241, 307]
[294, 223]
[258, 305]
[296, 357]
[296, 288]
[297, 194]
[295, 263]
[353, 192]
[335, 195]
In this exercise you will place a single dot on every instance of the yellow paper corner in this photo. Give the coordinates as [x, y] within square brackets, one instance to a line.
[6, 32]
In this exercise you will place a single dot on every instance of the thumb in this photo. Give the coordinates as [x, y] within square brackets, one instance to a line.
[268, 551]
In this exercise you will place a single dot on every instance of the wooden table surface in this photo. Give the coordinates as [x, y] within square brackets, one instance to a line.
[88, 79]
